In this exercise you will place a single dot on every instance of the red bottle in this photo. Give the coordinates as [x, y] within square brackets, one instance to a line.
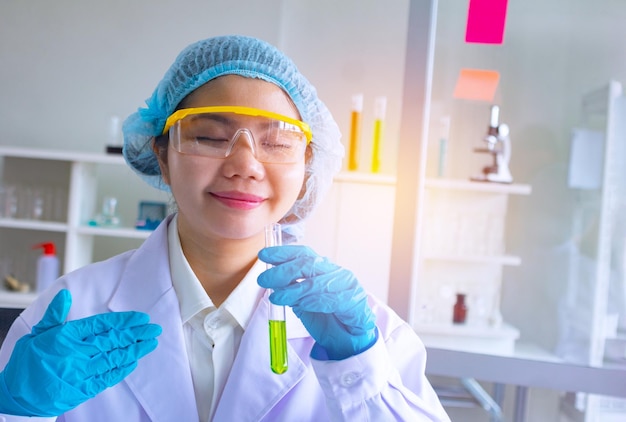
[460, 309]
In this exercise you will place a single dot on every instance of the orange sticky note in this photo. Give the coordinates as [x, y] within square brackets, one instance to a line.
[477, 84]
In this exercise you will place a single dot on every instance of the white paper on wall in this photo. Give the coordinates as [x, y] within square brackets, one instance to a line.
[586, 159]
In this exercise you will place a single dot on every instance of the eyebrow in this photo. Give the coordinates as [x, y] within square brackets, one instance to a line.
[211, 116]
[224, 118]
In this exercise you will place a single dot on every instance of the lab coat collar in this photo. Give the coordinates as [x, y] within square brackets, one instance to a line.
[143, 286]
[148, 288]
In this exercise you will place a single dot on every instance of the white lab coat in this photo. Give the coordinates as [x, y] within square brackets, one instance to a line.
[384, 383]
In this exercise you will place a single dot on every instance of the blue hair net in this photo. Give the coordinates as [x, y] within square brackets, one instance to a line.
[249, 57]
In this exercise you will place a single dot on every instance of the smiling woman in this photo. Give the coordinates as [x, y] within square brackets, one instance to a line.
[240, 139]
[212, 177]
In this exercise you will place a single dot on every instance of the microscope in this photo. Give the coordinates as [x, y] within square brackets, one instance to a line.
[499, 146]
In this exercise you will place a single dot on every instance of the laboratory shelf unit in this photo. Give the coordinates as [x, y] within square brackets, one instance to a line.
[463, 251]
[353, 226]
[66, 185]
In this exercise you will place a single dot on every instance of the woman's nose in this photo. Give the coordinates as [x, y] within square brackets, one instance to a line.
[241, 157]
[246, 135]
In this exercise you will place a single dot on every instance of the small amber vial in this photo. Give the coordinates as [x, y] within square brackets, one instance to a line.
[459, 310]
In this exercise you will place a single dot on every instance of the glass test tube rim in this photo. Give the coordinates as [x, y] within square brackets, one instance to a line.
[273, 237]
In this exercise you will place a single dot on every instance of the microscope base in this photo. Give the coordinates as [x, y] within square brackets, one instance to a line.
[492, 178]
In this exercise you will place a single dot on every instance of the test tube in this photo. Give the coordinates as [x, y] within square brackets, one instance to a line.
[380, 108]
[277, 325]
[444, 125]
[355, 128]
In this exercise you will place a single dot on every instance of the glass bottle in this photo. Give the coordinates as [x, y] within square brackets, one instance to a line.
[460, 309]
[109, 216]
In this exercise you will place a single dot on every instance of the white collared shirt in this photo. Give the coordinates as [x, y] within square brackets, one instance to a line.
[212, 335]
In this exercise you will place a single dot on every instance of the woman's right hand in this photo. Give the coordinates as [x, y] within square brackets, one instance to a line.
[60, 364]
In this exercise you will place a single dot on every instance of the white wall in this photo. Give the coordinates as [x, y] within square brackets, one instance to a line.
[68, 65]
[348, 47]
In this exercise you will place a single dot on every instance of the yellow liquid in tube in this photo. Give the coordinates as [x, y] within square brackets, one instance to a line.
[380, 107]
[378, 126]
[278, 347]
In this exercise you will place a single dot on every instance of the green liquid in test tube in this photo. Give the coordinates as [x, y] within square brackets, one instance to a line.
[277, 325]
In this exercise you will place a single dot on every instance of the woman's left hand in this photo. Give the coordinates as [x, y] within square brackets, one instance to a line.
[327, 298]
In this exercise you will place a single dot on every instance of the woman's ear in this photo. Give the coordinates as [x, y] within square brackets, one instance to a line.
[159, 146]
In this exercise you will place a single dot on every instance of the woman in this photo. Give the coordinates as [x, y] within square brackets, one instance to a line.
[241, 140]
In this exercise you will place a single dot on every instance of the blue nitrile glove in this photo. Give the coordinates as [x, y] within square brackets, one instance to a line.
[327, 298]
[61, 364]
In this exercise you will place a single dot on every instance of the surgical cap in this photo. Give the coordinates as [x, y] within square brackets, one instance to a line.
[249, 57]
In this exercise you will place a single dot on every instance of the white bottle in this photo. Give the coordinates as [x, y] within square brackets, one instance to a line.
[47, 266]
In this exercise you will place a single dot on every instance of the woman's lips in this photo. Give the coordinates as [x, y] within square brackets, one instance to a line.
[238, 200]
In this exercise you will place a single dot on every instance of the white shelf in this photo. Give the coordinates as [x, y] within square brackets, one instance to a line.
[509, 260]
[59, 155]
[498, 340]
[366, 178]
[121, 232]
[15, 299]
[469, 185]
[50, 226]
[468, 330]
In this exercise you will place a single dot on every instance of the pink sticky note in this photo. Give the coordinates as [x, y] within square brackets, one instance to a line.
[477, 84]
[485, 21]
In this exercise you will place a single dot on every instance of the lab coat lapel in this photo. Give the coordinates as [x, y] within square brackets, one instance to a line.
[162, 380]
[252, 389]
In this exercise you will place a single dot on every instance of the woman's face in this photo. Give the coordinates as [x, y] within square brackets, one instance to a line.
[236, 196]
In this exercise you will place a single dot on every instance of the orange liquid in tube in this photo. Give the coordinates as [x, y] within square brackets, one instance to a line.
[355, 126]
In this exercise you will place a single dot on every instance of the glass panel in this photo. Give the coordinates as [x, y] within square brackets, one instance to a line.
[554, 276]
[557, 78]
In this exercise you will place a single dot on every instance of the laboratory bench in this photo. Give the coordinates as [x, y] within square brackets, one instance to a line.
[527, 367]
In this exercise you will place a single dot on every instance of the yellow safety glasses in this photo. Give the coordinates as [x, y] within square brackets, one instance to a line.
[213, 132]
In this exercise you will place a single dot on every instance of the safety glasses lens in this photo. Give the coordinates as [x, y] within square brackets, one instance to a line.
[215, 135]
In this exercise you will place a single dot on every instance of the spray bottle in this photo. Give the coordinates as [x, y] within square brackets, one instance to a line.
[47, 266]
